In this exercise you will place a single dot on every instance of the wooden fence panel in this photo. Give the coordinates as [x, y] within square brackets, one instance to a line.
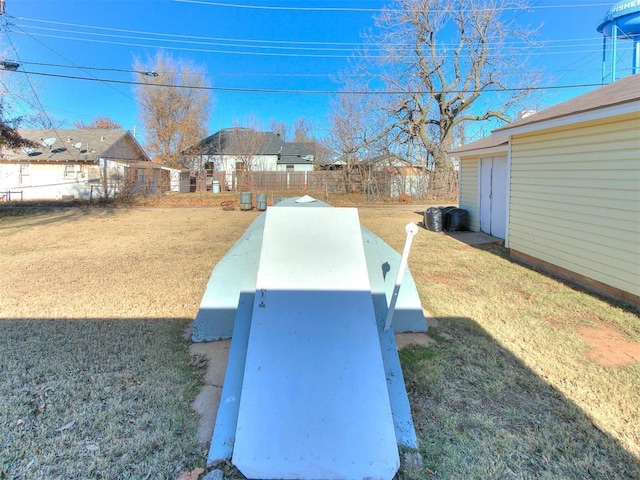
[381, 184]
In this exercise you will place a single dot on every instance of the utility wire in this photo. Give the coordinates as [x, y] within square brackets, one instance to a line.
[215, 74]
[280, 54]
[204, 40]
[36, 96]
[183, 36]
[81, 68]
[356, 9]
[253, 74]
[301, 92]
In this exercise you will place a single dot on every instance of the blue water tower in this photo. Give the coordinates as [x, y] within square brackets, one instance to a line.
[622, 22]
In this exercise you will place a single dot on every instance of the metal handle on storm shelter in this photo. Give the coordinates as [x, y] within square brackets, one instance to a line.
[411, 230]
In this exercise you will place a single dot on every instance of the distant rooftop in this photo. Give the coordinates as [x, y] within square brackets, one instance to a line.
[77, 145]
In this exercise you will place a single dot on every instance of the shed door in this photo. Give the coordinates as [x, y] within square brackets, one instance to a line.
[493, 196]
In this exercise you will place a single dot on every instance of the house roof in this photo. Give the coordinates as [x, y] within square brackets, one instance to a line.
[621, 92]
[484, 145]
[238, 141]
[77, 145]
[297, 153]
[390, 160]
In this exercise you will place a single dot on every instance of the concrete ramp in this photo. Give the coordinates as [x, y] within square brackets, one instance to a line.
[314, 402]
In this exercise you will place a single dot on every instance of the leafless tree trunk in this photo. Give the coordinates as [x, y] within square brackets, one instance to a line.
[175, 106]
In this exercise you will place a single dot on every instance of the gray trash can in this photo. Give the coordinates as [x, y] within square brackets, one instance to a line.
[261, 202]
[246, 201]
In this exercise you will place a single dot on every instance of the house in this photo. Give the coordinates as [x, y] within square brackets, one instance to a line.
[562, 188]
[79, 163]
[297, 157]
[238, 149]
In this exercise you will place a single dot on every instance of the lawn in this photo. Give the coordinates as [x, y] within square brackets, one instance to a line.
[96, 380]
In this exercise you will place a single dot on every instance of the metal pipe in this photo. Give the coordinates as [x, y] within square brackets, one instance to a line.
[614, 47]
[411, 230]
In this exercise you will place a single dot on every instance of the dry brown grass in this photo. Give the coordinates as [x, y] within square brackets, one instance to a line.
[94, 301]
[514, 386]
[114, 262]
[93, 308]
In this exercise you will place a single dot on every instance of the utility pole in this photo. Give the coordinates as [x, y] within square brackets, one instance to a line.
[1, 7]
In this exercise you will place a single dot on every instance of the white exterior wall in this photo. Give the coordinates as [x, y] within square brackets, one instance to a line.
[297, 167]
[469, 193]
[179, 181]
[45, 181]
[227, 163]
[575, 199]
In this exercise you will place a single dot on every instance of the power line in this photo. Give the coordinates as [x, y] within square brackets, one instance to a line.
[198, 42]
[276, 44]
[182, 36]
[356, 9]
[76, 66]
[301, 55]
[215, 74]
[35, 94]
[297, 91]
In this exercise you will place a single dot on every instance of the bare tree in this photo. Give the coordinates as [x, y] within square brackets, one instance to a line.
[302, 130]
[280, 129]
[99, 123]
[452, 62]
[247, 144]
[175, 106]
[355, 125]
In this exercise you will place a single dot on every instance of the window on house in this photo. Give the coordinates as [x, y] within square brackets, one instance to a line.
[25, 174]
[240, 166]
[290, 167]
[69, 170]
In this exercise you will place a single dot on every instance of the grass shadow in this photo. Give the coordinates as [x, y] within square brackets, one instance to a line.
[480, 412]
[97, 398]
[39, 214]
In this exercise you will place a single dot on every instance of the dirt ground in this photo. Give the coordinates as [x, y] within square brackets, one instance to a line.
[608, 346]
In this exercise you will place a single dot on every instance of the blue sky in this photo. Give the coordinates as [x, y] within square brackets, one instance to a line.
[263, 45]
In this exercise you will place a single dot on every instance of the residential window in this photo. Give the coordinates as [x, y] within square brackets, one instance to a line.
[240, 166]
[69, 170]
[25, 174]
[290, 167]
